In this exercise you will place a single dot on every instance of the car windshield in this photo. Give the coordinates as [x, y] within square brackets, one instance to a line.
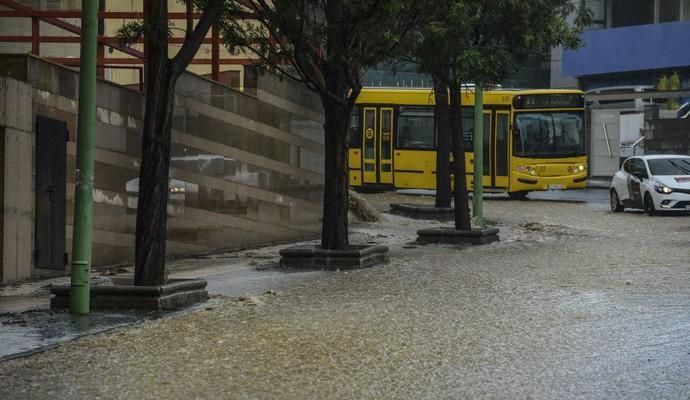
[549, 134]
[669, 166]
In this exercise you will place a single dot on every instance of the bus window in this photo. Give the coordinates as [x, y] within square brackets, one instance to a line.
[549, 134]
[415, 128]
[354, 134]
[467, 127]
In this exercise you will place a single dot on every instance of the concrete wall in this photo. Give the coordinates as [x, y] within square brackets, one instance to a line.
[667, 136]
[249, 169]
[17, 177]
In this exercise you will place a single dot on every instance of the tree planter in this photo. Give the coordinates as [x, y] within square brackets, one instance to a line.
[420, 211]
[314, 257]
[176, 293]
[452, 236]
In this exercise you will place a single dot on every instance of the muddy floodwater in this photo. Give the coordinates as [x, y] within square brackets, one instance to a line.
[574, 302]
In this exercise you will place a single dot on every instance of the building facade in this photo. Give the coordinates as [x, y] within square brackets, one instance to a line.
[246, 167]
[631, 42]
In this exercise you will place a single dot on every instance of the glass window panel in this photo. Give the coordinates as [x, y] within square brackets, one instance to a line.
[670, 166]
[631, 12]
[354, 134]
[686, 10]
[669, 10]
[416, 128]
[386, 121]
[502, 144]
[549, 134]
[369, 134]
[467, 127]
[598, 9]
[386, 146]
[486, 136]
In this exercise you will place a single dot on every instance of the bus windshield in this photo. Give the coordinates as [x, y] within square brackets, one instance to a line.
[549, 134]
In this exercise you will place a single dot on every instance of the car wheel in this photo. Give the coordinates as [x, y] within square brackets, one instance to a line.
[615, 203]
[517, 195]
[649, 205]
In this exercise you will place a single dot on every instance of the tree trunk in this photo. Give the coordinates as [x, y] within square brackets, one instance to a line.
[462, 209]
[441, 115]
[161, 77]
[155, 159]
[334, 233]
[152, 208]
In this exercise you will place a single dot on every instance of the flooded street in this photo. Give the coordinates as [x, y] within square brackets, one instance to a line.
[573, 302]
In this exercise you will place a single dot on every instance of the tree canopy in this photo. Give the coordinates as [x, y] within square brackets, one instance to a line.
[326, 44]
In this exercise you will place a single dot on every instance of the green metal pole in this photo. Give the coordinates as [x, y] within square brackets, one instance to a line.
[478, 187]
[83, 192]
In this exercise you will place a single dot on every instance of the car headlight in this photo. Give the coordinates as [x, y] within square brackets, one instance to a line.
[526, 169]
[663, 189]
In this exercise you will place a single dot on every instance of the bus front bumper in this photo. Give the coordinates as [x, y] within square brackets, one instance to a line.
[529, 183]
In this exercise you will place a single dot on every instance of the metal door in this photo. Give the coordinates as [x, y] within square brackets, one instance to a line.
[51, 147]
[377, 145]
[604, 143]
[386, 146]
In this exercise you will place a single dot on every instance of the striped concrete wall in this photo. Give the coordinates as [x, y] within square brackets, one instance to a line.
[246, 169]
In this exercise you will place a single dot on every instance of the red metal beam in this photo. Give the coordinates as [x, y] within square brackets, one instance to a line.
[75, 39]
[67, 26]
[135, 61]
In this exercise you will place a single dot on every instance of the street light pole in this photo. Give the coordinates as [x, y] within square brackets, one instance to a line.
[86, 132]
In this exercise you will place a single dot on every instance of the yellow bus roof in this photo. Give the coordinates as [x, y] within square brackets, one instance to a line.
[424, 96]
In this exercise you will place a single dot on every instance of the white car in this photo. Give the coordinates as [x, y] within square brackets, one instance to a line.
[653, 183]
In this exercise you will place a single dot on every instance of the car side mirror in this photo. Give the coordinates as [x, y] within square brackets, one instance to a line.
[640, 173]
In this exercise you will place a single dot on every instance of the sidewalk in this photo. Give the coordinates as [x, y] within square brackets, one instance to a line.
[28, 325]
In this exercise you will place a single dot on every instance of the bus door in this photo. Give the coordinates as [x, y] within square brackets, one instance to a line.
[495, 149]
[377, 145]
[501, 148]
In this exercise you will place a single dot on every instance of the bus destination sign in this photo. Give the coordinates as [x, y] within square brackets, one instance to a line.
[549, 101]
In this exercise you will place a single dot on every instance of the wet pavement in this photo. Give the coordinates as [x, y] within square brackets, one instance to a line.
[573, 302]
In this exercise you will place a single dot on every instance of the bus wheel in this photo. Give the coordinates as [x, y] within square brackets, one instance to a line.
[518, 195]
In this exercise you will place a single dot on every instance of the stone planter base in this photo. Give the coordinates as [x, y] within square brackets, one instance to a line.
[314, 257]
[177, 293]
[452, 236]
[419, 211]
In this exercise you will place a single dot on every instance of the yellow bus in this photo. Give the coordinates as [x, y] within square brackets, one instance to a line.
[533, 140]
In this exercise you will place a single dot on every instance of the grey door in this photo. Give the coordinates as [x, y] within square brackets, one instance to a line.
[604, 143]
[51, 147]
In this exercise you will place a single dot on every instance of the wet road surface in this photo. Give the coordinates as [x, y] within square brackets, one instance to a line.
[573, 302]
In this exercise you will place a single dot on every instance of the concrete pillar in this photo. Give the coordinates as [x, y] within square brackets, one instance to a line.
[16, 161]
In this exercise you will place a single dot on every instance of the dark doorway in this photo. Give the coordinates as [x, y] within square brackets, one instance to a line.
[51, 149]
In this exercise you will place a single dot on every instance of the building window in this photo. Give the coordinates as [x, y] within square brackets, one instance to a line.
[598, 9]
[631, 12]
[669, 10]
[686, 10]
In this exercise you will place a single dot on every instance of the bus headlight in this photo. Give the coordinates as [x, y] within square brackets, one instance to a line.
[526, 169]
[576, 169]
[663, 189]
